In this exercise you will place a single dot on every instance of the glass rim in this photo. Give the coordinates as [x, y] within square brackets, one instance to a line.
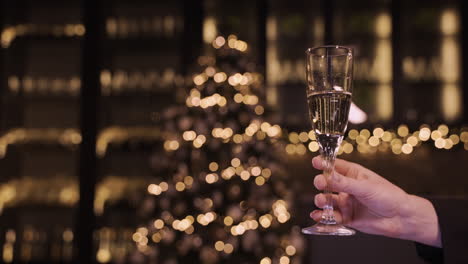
[311, 51]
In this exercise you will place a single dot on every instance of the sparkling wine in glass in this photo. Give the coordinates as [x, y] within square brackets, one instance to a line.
[329, 71]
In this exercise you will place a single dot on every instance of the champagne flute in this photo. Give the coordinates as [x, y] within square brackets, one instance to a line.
[329, 71]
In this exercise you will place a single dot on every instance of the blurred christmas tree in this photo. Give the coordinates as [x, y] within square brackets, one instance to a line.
[220, 192]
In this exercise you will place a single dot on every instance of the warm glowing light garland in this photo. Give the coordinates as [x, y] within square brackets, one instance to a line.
[397, 141]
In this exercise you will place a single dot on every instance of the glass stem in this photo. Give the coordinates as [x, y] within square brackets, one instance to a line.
[328, 217]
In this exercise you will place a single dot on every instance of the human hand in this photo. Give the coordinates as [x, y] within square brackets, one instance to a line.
[371, 204]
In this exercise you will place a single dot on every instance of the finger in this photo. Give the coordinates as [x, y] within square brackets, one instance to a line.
[320, 182]
[345, 205]
[358, 188]
[320, 200]
[341, 202]
[342, 166]
[340, 183]
[316, 215]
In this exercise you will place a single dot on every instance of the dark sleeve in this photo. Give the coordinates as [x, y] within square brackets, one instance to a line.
[453, 222]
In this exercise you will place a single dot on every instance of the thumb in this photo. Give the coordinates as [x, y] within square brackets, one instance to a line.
[357, 188]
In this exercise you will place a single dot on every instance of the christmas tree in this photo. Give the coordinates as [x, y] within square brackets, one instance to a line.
[220, 191]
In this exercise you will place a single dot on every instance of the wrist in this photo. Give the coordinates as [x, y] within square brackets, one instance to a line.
[419, 222]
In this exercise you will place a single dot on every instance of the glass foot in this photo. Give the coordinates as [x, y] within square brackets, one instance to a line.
[328, 230]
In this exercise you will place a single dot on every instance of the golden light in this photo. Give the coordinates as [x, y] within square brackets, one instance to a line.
[361, 140]
[210, 71]
[274, 131]
[220, 41]
[290, 149]
[198, 79]
[235, 162]
[313, 146]
[387, 136]
[240, 45]
[184, 224]
[219, 245]
[365, 133]
[464, 136]
[245, 175]
[156, 237]
[220, 77]
[154, 189]
[353, 133]
[266, 173]
[443, 129]
[103, 255]
[303, 137]
[407, 148]
[228, 221]
[378, 132]
[190, 218]
[261, 135]
[448, 144]
[228, 248]
[176, 224]
[188, 180]
[199, 141]
[436, 135]
[232, 42]
[237, 138]
[294, 137]
[238, 98]
[301, 149]
[222, 101]
[13, 83]
[440, 143]
[213, 166]
[180, 186]
[348, 148]
[424, 134]
[455, 139]
[256, 171]
[259, 110]
[383, 25]
[67, 235]
[164, 186]
[260, 181]
[311, 135]
[412, 140]
[290, 250]
[158, 223]
[211, 178]
[250, 99]
[79, 30]
[283, 218]
[396, 149]
[209, 29]
[284, 260]
[136, 237]
[374, 141]
[240, 229]
[449, 22]
[265, 221]
[216, 132]
[403, 131]
[173, 145]
[265, 260]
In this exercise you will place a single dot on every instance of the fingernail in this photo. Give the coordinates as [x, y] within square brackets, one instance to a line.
[315, 214]
[315, 161]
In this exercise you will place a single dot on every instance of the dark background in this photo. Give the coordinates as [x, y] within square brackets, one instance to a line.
[56, 59]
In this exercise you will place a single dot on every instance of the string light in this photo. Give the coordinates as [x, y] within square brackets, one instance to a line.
[380, 140]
